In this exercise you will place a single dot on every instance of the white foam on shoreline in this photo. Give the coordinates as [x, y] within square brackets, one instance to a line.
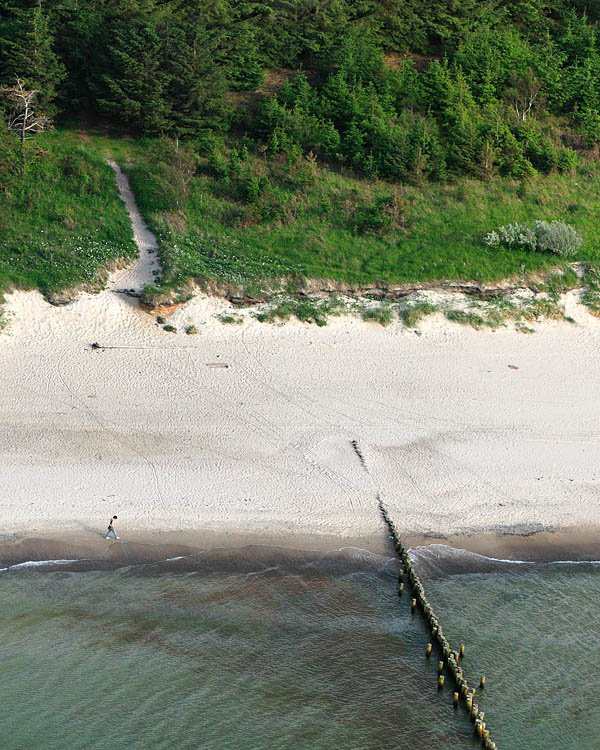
[39, 563]
[444, 552]
[423, 553]
[573, 562]
[440, 553]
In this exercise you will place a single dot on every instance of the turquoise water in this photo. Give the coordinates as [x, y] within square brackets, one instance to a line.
[261, 649]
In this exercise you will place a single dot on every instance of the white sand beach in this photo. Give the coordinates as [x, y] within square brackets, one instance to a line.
[246, 431]
[455, 440]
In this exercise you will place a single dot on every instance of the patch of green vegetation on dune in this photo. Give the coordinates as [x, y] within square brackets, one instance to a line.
[591, 294]
[316, 311]
[62, 221]
[231, 215]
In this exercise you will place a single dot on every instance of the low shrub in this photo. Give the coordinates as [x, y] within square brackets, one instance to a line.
[229, 319]
[382, 215]
[412, 315]
[465, 318]
[382, 314]
[543, 236]
[557, 237]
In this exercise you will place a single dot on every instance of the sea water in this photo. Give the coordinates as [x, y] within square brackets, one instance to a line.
[533, 631]
[262, 648]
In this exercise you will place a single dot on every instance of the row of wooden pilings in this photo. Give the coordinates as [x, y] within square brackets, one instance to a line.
[451, 658]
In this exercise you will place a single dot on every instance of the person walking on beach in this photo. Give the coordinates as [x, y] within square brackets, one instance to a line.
[111, 528]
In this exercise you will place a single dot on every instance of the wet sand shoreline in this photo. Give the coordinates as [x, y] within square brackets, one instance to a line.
[574, 544]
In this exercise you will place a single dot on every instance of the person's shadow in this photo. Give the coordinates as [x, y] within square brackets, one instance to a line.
[94, 530]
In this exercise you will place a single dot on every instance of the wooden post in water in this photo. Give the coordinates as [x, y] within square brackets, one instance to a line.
[450, 656]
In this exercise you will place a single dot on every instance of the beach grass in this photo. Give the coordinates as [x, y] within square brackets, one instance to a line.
[306, 310]
[382, 314]
[591, 293]
[412, 313]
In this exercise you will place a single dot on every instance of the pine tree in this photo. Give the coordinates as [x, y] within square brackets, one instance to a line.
[132, 82]
[26, 51]
[197, 82]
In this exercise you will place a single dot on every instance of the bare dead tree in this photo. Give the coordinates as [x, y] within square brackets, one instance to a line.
[524, 92]
[23, 120]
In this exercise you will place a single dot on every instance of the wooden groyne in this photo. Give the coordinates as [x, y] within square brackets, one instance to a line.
[450, 660]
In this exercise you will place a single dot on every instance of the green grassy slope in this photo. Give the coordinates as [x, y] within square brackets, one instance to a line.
[63, 220]
[246, 219]
[238, 217]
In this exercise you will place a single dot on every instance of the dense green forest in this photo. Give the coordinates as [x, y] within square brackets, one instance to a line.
[402, 89]
[318, 137]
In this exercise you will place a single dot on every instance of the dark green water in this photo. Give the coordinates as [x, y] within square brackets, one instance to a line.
[262, 649]
[232, 653]
[534, 632]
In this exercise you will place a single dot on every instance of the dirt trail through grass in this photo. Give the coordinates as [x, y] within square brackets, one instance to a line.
[139, 273]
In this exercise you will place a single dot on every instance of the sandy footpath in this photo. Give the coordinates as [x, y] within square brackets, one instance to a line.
[455, 440]
[139, 273]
